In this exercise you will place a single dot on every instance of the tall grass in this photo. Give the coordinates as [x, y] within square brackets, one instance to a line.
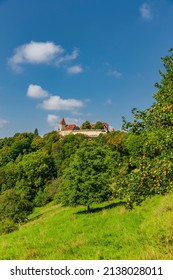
[109, 232]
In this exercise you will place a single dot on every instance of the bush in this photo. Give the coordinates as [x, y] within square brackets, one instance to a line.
[14, 206]
[47, 194]
[7, 226]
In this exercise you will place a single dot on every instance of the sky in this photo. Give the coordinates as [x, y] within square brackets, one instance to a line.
[79, 59]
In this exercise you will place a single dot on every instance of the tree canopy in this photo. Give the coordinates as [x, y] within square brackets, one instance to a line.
[86, 125]
[88, 178]
[99, 125]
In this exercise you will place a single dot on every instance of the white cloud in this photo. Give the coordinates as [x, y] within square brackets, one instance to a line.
[114, 73]
[41, 53]
[36, 91]
[3, 123]
[53, 120]
[35, 53]
[68, 57]
[76, 69]
[145, 11]
[57, 103]
[54, 102]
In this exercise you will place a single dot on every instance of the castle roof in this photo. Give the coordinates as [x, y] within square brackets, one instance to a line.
[70, 127]
[106, 125]
[62, 121]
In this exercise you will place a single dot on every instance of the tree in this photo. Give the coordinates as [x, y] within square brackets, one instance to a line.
[9, 176]
[86, 125]
[36, 132]
[14, 206]
[49, 139]
[89, 176]
[63, 150]
[37, 143]
[116, 140]
[99, 125]
[160, 114]
[150, 143]
[36, 169]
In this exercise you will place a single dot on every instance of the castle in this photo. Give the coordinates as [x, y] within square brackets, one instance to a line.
[65, 129]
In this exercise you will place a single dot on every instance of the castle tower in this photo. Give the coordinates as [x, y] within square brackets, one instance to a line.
[62, 124]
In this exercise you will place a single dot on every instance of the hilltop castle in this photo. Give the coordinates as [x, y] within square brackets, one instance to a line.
[65, 129]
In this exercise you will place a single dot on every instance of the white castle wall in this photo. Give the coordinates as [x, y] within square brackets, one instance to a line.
[89, 133]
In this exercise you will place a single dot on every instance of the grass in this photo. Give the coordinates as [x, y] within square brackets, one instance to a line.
[109, 232]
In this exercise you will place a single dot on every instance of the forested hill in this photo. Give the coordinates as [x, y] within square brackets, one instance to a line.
[132, 164]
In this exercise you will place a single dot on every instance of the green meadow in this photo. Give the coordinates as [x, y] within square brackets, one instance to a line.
[109, 231]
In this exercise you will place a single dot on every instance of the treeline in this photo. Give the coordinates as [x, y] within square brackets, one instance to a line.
[131, 164]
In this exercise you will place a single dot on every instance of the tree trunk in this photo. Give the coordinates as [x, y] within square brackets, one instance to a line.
[88, 208]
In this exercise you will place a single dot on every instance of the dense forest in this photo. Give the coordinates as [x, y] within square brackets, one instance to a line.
[131, 164]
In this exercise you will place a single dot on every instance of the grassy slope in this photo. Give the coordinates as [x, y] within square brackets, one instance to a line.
[110, 232]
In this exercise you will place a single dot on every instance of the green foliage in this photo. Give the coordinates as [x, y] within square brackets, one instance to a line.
[14, 206]
[49, 139]
[99, 125]
[37, 143]
[47, 194]
[116, 140]
[36, 132]
[88, 178]
[150, 144]
[12, 147]
[7, 226]
[86, 125]
[64, 150]
[36, 169]
[160, 114]
[8, 176]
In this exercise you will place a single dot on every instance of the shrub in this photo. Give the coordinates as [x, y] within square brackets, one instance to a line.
[7, 226]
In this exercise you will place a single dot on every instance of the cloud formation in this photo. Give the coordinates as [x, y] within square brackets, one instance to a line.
[36, 91]
[76, 69]
[53, 120]
[57, 103]
[53, 102]
[67, 58]
[145, 11]
[3, 122]
[41, 53]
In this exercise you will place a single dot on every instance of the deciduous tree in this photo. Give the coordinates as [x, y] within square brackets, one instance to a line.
[88, 178]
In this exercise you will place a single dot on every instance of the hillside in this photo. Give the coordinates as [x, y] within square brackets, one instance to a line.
[80, 172]
[110, 231]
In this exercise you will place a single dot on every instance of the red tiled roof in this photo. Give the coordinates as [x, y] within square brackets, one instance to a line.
[62, 121]
[70, 127]
[106, 124]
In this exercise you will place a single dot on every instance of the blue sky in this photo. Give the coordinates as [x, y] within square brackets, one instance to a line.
[77, 59]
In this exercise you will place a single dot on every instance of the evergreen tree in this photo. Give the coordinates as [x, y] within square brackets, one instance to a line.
[36, 132]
